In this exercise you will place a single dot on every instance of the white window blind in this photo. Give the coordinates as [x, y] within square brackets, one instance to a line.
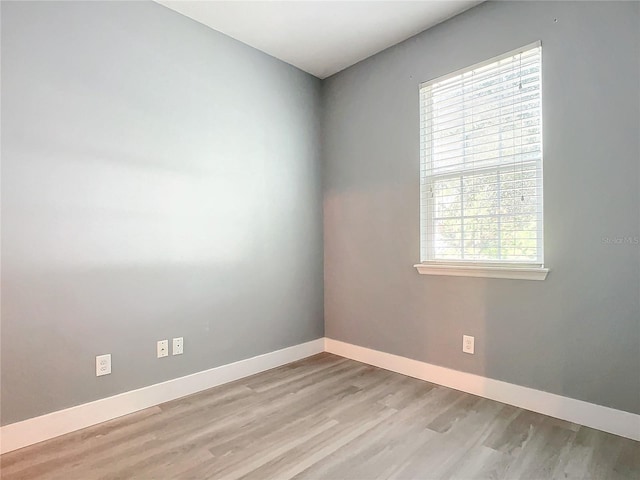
[481, 163]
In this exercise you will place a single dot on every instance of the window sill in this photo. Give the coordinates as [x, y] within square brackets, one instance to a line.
[512, 272]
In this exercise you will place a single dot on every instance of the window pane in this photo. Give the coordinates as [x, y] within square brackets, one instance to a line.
[481, 238]
[447, 195]
[448, 239]
[481, 194]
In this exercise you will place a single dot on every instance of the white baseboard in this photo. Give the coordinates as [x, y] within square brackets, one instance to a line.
[607, 419]
[37, 429]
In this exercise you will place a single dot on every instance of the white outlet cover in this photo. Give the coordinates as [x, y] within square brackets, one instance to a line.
[163, 348]
[468, 344]
[103, 365]
[178, 346]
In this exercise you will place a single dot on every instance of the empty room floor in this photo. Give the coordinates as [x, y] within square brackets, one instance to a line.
[327, 417]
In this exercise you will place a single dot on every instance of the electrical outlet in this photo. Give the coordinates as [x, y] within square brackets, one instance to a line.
[103, 365]
[468, 344]
[178, 346]
[163, 348]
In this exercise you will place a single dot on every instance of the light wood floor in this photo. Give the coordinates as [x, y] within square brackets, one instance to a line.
[329, 418]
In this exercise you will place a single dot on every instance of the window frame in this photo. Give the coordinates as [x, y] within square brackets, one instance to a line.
[493, 268]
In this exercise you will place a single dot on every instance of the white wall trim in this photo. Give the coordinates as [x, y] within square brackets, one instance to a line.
[607, 419]
[38, 429]
[45, 427]
[486, 271]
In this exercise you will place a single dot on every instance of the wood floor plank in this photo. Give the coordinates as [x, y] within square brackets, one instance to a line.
[541, 453]
[381, 450]
[327, 417]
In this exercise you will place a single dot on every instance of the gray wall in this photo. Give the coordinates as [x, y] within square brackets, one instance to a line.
[159, 179]
[577, 333]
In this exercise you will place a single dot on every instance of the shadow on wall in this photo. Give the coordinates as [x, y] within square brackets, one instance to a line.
[224, 313]
[375, 298]
[549, 335]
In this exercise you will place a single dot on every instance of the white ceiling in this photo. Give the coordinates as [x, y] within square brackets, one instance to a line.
[320, 37]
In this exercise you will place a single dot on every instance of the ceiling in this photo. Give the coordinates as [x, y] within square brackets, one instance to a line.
[320, 37]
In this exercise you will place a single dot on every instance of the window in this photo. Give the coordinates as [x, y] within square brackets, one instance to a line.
[481, 169]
